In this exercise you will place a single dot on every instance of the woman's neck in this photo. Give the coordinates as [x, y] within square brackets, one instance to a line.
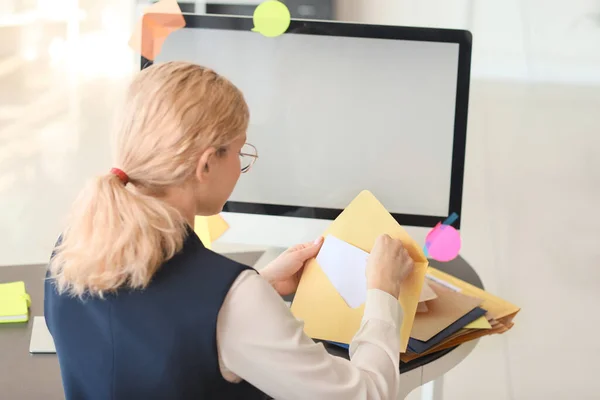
[183, 200]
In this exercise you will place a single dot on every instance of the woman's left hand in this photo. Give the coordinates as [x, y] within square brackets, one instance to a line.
[284, 272]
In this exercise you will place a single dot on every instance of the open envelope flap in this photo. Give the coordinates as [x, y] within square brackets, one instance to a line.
[325, 314]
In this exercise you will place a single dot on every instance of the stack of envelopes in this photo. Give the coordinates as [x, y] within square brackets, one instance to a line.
[449, 312]
[457, 313]
[440, 311]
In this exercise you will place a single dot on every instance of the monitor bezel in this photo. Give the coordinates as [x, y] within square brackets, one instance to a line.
[348, 29]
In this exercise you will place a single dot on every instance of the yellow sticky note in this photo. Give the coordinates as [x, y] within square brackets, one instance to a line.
[325, 314]
[479, 323]
[210, 228]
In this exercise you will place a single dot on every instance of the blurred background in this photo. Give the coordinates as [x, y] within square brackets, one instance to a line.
[532, 184]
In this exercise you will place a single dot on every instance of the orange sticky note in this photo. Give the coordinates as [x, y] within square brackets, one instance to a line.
[325, 314]
[157, 23]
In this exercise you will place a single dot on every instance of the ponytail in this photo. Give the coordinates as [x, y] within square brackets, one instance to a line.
[115, 237]
[121, 228]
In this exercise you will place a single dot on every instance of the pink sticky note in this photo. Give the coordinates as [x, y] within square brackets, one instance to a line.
[443, 243]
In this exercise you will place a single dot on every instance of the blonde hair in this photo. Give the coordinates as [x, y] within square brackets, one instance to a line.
[119, 235]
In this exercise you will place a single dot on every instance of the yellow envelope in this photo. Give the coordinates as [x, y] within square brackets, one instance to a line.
[325, 314]
[210, 228]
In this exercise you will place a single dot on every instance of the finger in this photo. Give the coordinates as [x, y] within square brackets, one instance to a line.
[317, 242]
[295, 248]
[311, 249]
[307, 244]
[381, 238]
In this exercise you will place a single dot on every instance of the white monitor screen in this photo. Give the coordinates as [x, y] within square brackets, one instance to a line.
[332, 116]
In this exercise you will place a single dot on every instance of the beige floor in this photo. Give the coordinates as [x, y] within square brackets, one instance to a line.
[532, 177]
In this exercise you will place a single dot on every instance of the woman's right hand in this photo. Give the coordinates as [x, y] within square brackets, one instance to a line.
[388, 265]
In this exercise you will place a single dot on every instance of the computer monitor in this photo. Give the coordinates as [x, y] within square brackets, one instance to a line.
[337, 108]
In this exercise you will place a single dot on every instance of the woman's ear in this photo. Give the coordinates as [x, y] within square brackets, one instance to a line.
[203, 167]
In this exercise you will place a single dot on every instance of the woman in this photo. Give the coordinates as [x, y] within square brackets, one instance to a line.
[140, 309]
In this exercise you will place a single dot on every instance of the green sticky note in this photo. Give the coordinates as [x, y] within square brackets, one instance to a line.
[14, 303]
[271, 18]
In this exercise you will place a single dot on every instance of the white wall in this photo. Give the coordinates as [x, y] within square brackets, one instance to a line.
[532, 185]
[449, 13]
[542, 40]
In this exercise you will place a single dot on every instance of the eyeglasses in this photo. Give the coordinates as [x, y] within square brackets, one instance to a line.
[248, 156]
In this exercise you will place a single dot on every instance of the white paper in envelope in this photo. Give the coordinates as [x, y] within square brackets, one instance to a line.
[345, 266]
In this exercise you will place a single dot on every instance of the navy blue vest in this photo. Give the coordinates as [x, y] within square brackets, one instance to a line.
[156, 343]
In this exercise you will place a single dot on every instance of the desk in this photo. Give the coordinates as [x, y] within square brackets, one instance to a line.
[34, 377]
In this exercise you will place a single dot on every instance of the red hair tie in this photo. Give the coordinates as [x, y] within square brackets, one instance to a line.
[122, 175]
